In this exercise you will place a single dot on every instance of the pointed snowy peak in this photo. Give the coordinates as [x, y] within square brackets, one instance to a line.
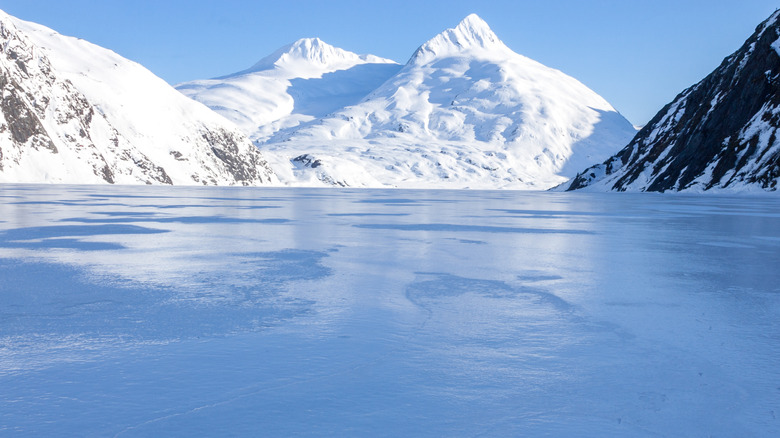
[471, 34]
[312, 50]
[475, 30]
[313, 53]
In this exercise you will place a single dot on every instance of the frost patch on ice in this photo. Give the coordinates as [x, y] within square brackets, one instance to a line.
[723, 244]
[455, 228]
[99, 312]
[443, 286]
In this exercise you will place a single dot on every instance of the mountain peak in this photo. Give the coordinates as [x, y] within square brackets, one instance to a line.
[310, 50]
[473, 24]
[472, 33]
[311, 56]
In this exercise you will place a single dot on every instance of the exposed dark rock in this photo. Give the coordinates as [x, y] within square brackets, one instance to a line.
[308, 161]
[40, 108]
[245, 168]
[148, 168]
[22, 122]
[16, 115]
[107, 174]
[311, 162]
[720, 133]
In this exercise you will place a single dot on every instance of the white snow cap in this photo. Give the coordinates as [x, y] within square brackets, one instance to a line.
[473, 33]
[313, 52]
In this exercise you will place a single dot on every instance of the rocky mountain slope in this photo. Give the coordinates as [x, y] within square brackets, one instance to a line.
[718, 134]
[73, 112]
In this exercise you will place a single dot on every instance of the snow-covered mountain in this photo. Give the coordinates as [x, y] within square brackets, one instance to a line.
[73, 112]
[465, 111]
[721, 133]
[298, 83]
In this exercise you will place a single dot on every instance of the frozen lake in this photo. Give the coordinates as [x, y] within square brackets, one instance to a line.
[152, 311]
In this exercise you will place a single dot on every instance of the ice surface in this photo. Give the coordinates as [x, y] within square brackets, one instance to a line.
[280, 312]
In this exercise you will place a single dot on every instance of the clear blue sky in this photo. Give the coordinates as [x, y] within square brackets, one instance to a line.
[638, 54]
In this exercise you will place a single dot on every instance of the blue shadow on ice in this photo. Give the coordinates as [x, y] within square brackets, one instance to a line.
[176, 220]
[66, 236]
[70, 203]
[236, 207]
[406, 202]
[366, 214]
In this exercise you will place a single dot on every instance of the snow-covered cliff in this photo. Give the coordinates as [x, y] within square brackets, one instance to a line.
[73, 112]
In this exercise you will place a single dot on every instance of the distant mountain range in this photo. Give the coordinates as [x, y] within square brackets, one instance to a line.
[720, 134]
[73, 112]
[465, 111]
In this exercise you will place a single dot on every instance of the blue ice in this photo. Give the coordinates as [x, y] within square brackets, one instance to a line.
[154, 311]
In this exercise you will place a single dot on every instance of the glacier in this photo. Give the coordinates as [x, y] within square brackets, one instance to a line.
[288, 311]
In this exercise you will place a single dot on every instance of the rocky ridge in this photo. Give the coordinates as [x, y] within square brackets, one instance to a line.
[73, 112]
[720, 134]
